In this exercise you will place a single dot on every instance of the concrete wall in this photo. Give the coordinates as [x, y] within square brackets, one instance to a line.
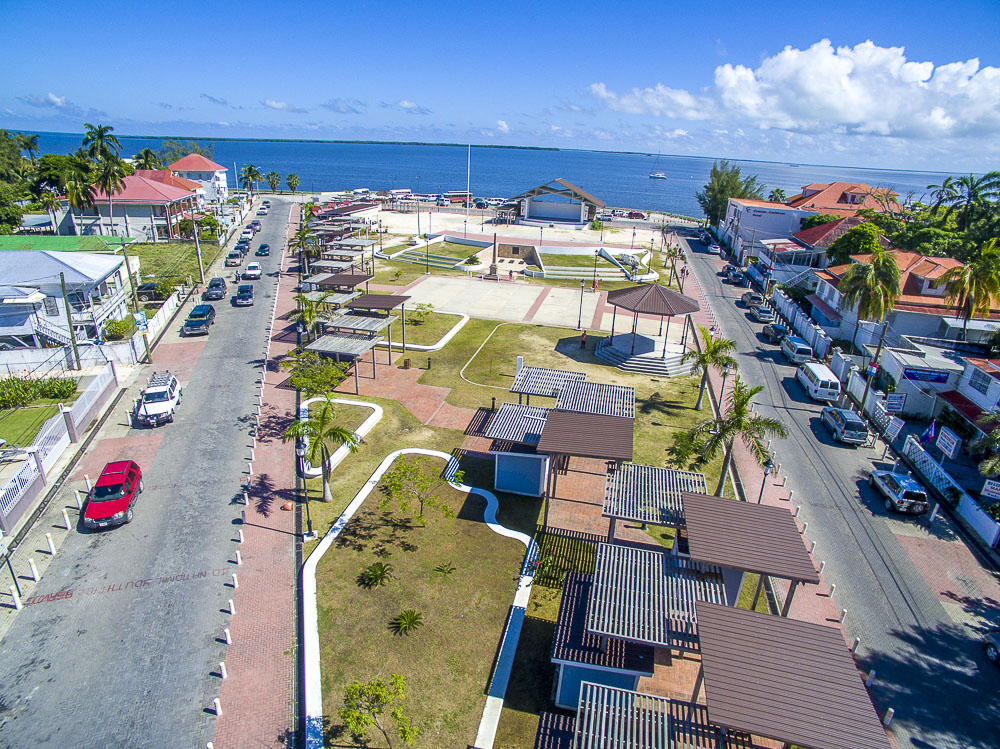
[568, 695]
[560, 210]
[520, 474]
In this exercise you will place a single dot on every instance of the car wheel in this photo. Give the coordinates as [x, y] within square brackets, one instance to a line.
[170, 419]
[888, 505]
[128, 516]
[143, 297]
[871, 481]
[992, 653]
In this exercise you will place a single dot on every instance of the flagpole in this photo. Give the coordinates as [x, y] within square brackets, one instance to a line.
[468, 193]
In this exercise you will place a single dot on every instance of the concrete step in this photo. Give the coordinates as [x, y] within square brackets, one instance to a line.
[669, 367]
[422, 261]
[431, 256]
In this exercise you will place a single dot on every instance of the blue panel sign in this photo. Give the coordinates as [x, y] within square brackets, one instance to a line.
[925, 375]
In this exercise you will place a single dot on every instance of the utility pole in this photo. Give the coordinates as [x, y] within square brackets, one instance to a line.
[197, 247]
[135, 301]
[69, 321]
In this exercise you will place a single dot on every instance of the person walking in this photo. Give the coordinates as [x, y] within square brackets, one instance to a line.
[583, 340]
[237, 276]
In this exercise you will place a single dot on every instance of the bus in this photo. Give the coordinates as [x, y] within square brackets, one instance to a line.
[457, 196]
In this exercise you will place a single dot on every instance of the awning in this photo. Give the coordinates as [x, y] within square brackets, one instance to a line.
[966, 409]
[825, 309]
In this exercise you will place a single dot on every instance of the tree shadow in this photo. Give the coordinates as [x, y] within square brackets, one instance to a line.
[266, 494]
[381, 530]
[656, 403]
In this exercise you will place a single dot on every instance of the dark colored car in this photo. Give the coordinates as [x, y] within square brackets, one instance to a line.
[110, 501]
[244, 296]
[217, 289]
[199, 321]
[635, 214]
[147, 292]
[264, 250]
[255, 225]
[774, 333]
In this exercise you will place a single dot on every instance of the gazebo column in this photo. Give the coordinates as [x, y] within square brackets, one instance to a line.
[635, 327]
[788, 601]
[357, 385]
[665, 337]
[661, 325]
[374, 374]
[389, 329]
[614, 311]
[756, 593]
[403, 307]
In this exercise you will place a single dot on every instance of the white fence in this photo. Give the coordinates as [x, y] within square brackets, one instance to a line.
[982, 524]
[88, 396]
[802, 323]
[16, 486]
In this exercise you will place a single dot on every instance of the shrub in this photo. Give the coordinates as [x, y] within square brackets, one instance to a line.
[16, 391]
[117, 330]
[993, 510]
[56, 387]
[375, 575]
[164, 287]
[445, 568]
[472, 260]
[407, 622]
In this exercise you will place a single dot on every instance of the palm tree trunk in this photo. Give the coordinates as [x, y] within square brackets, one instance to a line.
[878, 352]
[725, 470]
[854, 340]
[100, 220]
[327, 494]
[52, 218]
[701, 393]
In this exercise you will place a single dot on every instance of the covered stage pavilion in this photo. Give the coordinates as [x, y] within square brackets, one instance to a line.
[558, 202]
[649, 299]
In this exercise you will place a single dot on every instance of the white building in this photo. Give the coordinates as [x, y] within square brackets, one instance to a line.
[206, 172]
[33, 312]
[558, 203]
[748, 222]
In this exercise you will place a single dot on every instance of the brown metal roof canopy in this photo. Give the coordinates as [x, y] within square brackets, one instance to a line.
[587, 435]
[377, 301]
[784, 679]
[744, 536]
[344, 279]
[653, 299]
[559, 186]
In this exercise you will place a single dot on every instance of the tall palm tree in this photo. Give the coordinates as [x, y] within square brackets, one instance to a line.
[975, 286]
[777, 195]
[249, 175]
[965, 196]
[147, 159]
[80, 193]
[51, 203]
[738, 422]
[273, 180]
[28, 144]
[671, 254]
[292, 180]
[307, 313]
[322, 436]
[100, 143]
[715, 353]
[111, 175]
[305, 243]
[872, 286]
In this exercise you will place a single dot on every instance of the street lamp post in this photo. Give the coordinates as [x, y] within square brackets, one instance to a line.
[596, 254]
[579, 322]
[725, 374]
[300, 451]
[767, 471]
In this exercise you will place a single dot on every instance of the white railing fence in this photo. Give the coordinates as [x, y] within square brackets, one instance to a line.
[812, 333]
[88, 396]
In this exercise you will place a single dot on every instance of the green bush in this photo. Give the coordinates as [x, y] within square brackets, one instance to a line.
[16, 391]
[117, 330]
[164, 287]
[56, 387]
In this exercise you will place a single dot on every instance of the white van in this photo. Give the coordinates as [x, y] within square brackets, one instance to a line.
[819, 381]
[796, 349]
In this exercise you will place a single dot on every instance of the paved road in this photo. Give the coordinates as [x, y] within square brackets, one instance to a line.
[127, 661]
[930, 669]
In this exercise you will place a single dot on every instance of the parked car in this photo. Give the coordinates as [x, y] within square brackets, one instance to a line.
[751, 299]
[264, 250]
[255, 225]
[715, 250]
[991, 639]
[114, 494]
[199, 320]
[147, 292]
[244, 296]
[706, 239]
[795, 349]
[234, 259]
[217, 289]
[160, 397]
[762, 314]
[253, 272]
[266, 203]
[636, 214]
[774, 332]
[819, 381]
[902, 492]
[262, 211]
[480, 203]
[246, 234]
[242, 247]
[845, 425]
[738, 278]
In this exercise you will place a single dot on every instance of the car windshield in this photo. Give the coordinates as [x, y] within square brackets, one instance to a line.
[914, 495]
[108, 493]
[246, 290]
[156, 397]
[216, 284]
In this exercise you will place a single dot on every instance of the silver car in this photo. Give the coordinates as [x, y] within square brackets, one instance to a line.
[845, 426]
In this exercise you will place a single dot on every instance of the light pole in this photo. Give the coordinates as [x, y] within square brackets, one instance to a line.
[725, 374]
[579, 321]
[596, 254]
[767, 471]
[300, 451]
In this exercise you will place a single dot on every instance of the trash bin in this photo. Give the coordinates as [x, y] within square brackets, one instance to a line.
[406, 363]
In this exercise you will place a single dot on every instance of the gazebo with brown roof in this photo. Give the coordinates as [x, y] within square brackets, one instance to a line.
[382, 303]
[652, 299]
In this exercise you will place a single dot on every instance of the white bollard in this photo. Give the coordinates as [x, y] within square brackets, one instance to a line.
[812, 547]
[796, 513]
[232, 607]
[822, 566]
[887, 720]
[218, 706]
[87, 479]
[229, 638]
[236, 583]
[258, 411]
[239, 558]
[52, 546]
[791, 492]
[17, 599]
[222, 670]
[79, 501]
[246, 497]
[871, 678]
[805, 527]
[843, 615]
[33, 569]
[854, 647]
[252, 458]
[239, 535]
[249, 468]
[933, 513]
[833, 589]
[209, 745]
[69, 527]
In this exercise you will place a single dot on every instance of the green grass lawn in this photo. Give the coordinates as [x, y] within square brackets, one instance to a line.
[19, 426]
[174, 261]
[395, 273]
[430, 331]
[575, 261]
[451, 249]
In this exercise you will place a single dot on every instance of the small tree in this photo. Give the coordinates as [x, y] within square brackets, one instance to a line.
[322, 437]
[273, 180]
[313, 374]
[419, 315]
[292, 180]
[415, 480]
[407, 622]
[818, 220]
[366, 704]
[863, 239]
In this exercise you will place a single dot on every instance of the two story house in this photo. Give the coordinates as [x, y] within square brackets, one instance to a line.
[843, 198]
[204, 171]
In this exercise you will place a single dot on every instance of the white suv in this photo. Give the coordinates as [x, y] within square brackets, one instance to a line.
[160, 397]
[253, 272]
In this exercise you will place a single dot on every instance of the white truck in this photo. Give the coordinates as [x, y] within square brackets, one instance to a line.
[160, 397]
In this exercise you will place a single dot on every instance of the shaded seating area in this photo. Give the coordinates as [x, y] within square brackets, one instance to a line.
[649, 299]
[515, 430]
[332, 266]
[380, 306]
[368, 325]
[543, 382]
[341, 281]
[329, 300]
[648, 494]
[347, 347]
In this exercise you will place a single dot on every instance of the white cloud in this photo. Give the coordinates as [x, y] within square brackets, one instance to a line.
[861, 90]
[411, 107]
[282, 106]
[344, 106]
[502, 126]
[49, 100]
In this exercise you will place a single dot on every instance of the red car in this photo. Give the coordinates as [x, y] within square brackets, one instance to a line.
[636, 214]
[110, 501]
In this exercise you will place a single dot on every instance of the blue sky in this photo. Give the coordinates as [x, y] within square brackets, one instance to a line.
[874, 84]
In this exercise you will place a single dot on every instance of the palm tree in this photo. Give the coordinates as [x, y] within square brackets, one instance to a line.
[28, 144]
[147, 159]
[966, 195]
[738, 421]
[51, 203]
[307, 313]
[273, 180]
[305, 243]
[872, 286]
[249, 175]
[81, 194]
[100, 143]
[671, 254]
[973, 287]
[292, 180]
[777, 195]
[715, 353]
[111, 175]
[322, 437]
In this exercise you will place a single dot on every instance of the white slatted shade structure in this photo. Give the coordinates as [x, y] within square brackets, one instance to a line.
[517, 424]
[649, 494]
[649, 596]
[610, 718]
[596, 398]
[543, 382]
[358, 323]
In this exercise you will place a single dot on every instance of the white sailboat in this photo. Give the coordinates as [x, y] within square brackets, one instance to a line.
[656, 174]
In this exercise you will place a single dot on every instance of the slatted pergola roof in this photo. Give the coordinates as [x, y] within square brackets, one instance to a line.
[340, 280]
[596, 398]
[331, 297]
[649, 494]
[329, 253]
[331, 266]
[344, 345]
[358, 323]
[354, 243]
[318, 278]
[543, 382]
[612, 718]
[517, 423]
[649, 596]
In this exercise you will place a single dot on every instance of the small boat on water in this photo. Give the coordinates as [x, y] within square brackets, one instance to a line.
[657, 174]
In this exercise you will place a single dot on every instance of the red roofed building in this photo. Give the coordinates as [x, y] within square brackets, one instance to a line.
[204, 171]
[843, 198]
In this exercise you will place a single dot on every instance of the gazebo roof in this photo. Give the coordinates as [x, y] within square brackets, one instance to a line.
[377, 301]
[653, 299]
[649, 494]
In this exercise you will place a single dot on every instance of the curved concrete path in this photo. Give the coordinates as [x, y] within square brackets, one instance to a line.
[442, 342]
[313, 699]
[311, 471]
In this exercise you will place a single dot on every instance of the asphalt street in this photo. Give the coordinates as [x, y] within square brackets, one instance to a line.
[128, 660]
[930, 669]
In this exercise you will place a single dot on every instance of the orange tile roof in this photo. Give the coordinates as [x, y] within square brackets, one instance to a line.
[829, 198]
[143, 191]
[824, 234]
[167, 178]
[195, 162]
[989, 366]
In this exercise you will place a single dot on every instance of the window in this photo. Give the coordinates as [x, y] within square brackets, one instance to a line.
[980, 381]
[51, 308]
